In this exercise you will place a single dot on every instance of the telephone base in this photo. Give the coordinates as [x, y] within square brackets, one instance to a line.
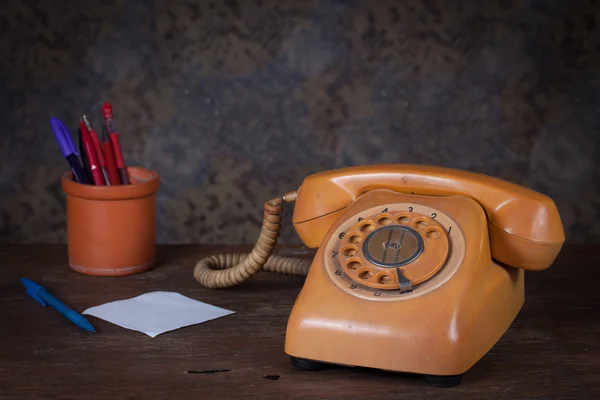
[308, 365]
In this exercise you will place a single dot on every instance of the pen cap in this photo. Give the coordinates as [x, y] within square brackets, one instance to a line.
[111, 230]
[107, 110]
[33, 289]
[63, 137]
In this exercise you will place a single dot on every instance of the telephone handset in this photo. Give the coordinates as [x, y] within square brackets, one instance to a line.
[414, 270]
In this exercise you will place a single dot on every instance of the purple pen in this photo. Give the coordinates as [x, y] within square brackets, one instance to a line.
[68, 149]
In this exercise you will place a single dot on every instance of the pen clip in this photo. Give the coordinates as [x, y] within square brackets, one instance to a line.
[32, 290]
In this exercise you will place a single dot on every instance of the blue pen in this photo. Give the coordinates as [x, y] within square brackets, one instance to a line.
[68, 149]
[40, 295]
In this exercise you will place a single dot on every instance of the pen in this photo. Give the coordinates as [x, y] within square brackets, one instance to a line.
[111, 165]
[84, 161]
[84, 122]
[39, 294]
[68, 150]
[114, 138]
[90, 152]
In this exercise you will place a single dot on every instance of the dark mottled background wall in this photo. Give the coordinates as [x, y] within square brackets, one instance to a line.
[233, 102]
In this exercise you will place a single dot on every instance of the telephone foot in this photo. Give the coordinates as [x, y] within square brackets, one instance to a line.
[443, 381]
[308, 365]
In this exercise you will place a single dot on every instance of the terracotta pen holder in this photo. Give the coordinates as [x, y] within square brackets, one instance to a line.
[111, 230]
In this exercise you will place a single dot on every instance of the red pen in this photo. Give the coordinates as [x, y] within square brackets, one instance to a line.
[85, 125]
[114, 138]
[111, 165]
[90, 152]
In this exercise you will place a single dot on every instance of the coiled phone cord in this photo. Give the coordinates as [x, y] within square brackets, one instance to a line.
[226, 270]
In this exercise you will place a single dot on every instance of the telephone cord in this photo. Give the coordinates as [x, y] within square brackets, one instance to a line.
[226, 270]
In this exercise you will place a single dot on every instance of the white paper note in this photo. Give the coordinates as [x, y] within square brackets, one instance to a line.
[157, 312]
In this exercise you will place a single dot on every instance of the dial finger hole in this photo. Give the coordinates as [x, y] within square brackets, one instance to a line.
[384, 279]
[365, 274]
[384, 219]
[432, 233]
[403, 218]
[353, 263]
[354, 237]
[350, 251]
[420, 224]
[366, 226]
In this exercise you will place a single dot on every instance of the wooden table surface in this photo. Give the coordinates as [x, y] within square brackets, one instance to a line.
[551, 351]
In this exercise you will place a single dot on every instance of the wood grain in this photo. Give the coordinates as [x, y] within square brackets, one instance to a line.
[551, 350]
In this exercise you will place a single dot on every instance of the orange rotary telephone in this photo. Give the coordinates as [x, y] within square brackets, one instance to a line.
[419, 268]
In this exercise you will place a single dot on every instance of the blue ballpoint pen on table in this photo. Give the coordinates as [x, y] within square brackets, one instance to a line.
[40, 295]
[68, 149]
